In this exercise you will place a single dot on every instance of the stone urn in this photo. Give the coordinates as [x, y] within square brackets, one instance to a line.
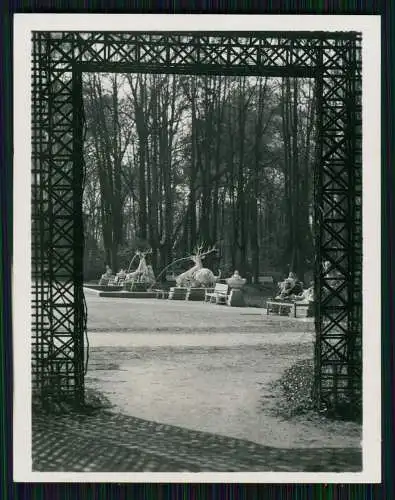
[236, 282]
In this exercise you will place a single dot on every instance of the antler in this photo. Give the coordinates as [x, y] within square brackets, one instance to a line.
[198, 250]
[210, 250]
[143, 253]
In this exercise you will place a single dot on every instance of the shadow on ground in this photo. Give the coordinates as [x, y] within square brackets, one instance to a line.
[110, 442]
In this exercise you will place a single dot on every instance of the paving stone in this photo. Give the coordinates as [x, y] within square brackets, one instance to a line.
[108, 442]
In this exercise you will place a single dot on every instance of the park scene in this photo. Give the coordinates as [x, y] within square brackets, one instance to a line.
[199, 282]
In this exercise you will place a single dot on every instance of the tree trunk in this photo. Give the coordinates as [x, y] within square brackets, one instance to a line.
[241, 196]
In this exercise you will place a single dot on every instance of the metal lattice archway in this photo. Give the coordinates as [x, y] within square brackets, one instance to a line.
[58, 61]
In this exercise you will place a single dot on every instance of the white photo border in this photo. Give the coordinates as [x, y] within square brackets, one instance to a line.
[370, 28]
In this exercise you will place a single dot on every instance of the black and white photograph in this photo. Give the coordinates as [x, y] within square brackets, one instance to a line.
[198, 282]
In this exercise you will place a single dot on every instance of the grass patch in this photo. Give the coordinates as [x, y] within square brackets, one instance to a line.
[295, 389]
[94, 401]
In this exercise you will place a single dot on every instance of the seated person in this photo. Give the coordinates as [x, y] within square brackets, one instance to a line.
[306, 295]
[290, 288]
[309, 294]
[106, 276]
[298, 288]
[286, 288]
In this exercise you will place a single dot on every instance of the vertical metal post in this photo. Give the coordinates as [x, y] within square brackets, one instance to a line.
[78, 238]
[318, 213]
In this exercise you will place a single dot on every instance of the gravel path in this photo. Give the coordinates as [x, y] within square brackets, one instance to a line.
[149, 315]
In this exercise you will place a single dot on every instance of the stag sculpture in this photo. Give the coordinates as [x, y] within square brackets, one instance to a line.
[143, 273]
[198, 276]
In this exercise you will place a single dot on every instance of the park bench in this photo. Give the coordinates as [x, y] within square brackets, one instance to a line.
[161, 294]
[107, 281]
[112, 281]
[219, 294]
[120, 280]
[309, 308]
[265, 280]
[281, 307]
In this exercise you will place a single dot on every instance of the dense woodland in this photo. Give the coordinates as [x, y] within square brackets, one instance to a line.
[173, 161]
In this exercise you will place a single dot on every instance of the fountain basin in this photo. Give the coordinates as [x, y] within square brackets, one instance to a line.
[103, 288]
[121, 293]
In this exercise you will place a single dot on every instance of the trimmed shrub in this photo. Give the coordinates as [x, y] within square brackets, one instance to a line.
[296, 386]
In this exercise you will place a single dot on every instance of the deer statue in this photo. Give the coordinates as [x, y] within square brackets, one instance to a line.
[198, 276]
[143, 273]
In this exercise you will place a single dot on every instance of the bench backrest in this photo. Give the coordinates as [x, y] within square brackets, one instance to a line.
[265, 279]
[221, 288]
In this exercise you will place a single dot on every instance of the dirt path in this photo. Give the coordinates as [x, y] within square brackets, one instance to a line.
[203, 367]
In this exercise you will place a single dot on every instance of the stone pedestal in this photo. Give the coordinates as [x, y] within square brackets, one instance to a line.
[236, 298]
[135, 286]
[178, 293]
[196, 294]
